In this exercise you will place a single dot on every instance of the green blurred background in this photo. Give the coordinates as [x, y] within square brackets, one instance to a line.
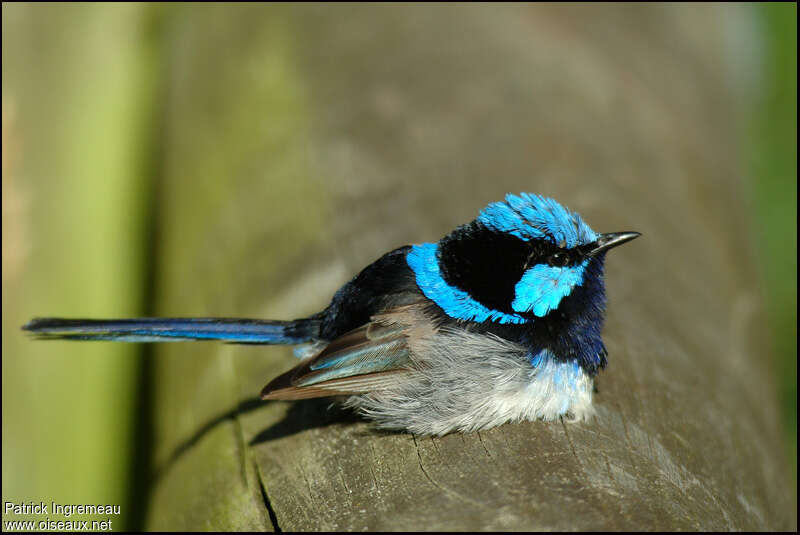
[770, 140]
[83, 115]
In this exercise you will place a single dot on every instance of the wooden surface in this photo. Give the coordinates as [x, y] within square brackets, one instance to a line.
[302, 142]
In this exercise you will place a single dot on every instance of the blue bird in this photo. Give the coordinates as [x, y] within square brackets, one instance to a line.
[498, 321]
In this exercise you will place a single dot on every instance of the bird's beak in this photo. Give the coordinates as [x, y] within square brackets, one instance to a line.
[612, 239]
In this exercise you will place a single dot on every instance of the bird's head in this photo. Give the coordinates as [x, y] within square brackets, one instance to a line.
[524, 256]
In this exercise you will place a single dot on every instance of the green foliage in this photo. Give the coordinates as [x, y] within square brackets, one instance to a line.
[773, 138]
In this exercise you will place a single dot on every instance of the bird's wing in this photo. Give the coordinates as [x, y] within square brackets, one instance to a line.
[362, 360]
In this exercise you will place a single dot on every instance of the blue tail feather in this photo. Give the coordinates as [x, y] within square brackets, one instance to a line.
[237, 331]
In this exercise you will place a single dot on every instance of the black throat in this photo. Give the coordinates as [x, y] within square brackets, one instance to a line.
[488, 264]
[572, 332]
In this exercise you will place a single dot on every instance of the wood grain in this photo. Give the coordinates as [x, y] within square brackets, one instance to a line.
[305, 141]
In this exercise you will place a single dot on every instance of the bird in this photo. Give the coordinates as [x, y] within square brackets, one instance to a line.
[499, 321]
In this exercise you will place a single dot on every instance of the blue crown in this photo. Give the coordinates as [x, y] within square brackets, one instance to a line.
[529, 216]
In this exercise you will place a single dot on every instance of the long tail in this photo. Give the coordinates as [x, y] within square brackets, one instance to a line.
[236, 331]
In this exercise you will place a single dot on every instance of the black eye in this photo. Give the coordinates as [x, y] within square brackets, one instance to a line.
[558, 260]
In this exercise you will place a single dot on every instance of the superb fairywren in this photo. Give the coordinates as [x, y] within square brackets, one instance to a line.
[498, 321]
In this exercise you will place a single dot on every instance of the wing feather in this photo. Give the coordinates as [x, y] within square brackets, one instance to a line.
[362, 360]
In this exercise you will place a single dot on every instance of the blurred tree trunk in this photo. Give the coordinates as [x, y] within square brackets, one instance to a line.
[302, 142]
[78, 93]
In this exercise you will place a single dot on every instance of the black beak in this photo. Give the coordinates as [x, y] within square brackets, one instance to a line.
[612, 239]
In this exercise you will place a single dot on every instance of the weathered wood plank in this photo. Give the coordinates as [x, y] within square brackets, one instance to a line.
[332, 134]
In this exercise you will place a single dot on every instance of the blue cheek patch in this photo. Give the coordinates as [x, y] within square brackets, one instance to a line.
[456, 303]
[542, 288]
